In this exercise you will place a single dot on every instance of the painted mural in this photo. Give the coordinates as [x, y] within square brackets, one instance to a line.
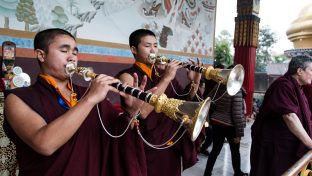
[180, 25]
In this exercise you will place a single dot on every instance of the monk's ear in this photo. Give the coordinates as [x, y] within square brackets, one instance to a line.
[40, 54]
[300, 71]
[133, 50]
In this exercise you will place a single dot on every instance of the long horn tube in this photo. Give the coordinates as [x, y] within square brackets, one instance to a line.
[232, 78]
[178, 110]
[207, 72]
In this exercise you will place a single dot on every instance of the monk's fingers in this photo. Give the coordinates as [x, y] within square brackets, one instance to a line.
[199, 62]
[143, 83]
[135, 80]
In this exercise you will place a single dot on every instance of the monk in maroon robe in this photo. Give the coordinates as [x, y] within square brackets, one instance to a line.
[55, 125]
[282, 131]
[156, 128]
[90, 151]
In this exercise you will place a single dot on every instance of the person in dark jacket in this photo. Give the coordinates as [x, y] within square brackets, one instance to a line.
[209, 85]
[227, 121]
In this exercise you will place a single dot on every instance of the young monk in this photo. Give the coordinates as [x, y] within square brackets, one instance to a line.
[156, 127]
[57, 130]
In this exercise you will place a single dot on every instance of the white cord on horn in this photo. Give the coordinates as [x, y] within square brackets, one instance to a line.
[155, 146]
[111, 135]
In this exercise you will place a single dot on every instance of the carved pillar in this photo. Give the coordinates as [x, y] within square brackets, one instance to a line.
[246, 42]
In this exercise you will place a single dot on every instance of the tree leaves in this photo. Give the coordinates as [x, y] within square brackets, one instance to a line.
[222, 50]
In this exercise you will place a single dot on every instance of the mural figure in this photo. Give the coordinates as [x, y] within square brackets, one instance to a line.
[66, 14]
[178, 19]
[185, 20]
[111, 7]
[189, 14]
[191, 3]
[153, 10]
[97, 4]
[165, 32]
[209, 6]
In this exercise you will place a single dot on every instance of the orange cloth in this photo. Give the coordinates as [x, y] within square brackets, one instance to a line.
[147, 70]
[73, 99]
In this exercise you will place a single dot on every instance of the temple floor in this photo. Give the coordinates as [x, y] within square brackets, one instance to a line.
[223, 165]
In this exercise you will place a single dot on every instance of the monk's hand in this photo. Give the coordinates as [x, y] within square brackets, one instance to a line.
[133, 104]
[192, 75]
[171, 69]
[135, 123]
[99, 88]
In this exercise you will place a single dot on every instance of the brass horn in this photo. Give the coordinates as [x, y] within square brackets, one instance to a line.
[232, 78]
[191, 114]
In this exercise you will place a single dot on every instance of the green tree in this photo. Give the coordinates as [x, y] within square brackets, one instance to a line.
[26, 12]
[59, 17]
[280, 59]
[222, 51]
[267, 39]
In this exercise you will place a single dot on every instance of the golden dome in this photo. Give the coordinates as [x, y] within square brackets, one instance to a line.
[300, 31]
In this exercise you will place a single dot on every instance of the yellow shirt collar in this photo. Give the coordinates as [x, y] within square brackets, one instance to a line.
[147, 70]
[50, 80]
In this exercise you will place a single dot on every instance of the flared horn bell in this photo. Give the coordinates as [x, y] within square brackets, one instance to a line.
[198, 117]
[192, 114]
[235, 80]
[232, 78]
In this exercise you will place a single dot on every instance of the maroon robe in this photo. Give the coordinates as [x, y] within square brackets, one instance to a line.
[274, 147]
[307, 89]
[90, 151]
[157, 128]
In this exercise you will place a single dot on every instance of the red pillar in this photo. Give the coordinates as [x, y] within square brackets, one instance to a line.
[246, 57]
[246, 42]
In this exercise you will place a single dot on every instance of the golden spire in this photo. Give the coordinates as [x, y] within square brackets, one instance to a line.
[300, 31]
